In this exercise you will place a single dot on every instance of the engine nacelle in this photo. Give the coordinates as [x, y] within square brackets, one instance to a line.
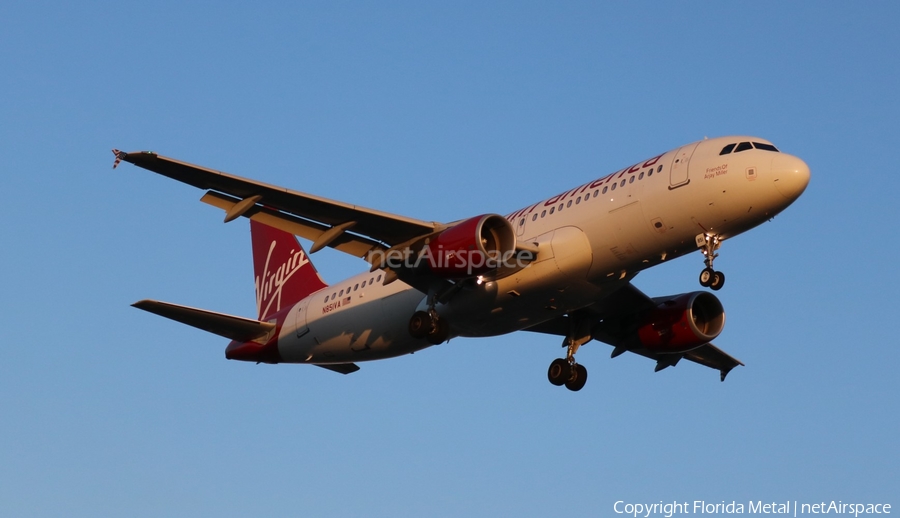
[682, 322]
[472, 247]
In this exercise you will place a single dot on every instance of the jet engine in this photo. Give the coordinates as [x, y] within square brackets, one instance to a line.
[472, 247]
[681, 322]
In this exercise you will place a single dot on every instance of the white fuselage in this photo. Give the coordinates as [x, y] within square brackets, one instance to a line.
[590, 240]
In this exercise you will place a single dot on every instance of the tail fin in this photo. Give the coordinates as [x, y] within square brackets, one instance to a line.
[284, 273]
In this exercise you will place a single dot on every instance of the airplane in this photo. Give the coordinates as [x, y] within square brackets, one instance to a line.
[561, 266]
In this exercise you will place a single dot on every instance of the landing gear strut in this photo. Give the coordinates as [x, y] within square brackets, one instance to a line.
[428, 325]
[708, 244]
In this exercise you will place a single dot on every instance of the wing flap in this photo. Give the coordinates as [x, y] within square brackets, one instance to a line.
[229, 326]
[352, 244]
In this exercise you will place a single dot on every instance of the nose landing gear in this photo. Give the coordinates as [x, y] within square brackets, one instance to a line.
[708, 244]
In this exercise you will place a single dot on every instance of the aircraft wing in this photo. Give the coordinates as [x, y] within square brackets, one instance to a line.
[614, 318]
[345, 227]
[713, 357]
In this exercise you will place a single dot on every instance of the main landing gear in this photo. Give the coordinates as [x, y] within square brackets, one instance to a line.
[429, 325]
[565, 371]
[709, 278]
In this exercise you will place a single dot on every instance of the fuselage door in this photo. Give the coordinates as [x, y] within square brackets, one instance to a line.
[300, 317]
[678, 172]
[520, 225]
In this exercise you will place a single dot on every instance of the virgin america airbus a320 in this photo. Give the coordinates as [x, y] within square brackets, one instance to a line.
[561, 266]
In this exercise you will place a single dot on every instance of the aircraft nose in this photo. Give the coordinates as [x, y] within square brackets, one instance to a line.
[791, 175]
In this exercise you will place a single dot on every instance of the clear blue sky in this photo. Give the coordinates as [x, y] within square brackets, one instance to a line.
[437, 111]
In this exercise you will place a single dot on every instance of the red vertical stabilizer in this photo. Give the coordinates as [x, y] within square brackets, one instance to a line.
[284, 273]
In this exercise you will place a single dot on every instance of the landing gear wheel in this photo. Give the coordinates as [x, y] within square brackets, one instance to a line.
[578, 379]
[718, 281]
[560, 371]
[420, 324]
[707, 276]
[439, 332]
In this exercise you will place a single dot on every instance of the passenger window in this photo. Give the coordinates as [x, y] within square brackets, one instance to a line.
[552, 210]
[341, 294]
[659, 170]
[765, 147]
[560, 206]
[613, 188]
[623, 183]
[534, 218]
[605, 189]
[641, 176]
[595, 192]
[521, 222]
[569, 204]
[586, 197]
[356, 287]
[379, 278]
[371, 281]
[727, 149]
[577, 200]
[326, 298]
[743, 146]
[543, 213]
[333, 295]
[631, 180]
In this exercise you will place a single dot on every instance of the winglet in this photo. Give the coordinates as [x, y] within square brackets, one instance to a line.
[119, 156]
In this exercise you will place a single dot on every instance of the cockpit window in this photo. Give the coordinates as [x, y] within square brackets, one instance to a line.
[743, 146]
[765, 147]
[727, 149]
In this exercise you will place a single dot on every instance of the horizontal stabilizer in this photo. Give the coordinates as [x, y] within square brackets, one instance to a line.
[341, 368]
[236, 328]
